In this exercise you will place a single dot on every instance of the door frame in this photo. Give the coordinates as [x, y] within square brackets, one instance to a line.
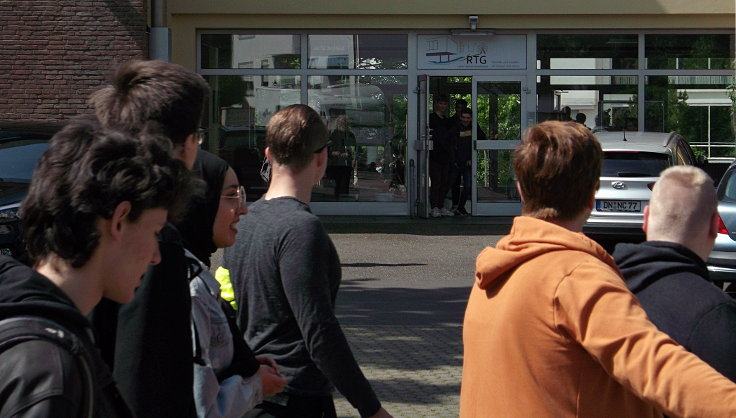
[497, 208]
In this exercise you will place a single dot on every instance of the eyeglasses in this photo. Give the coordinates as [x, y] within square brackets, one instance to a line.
[327, 144]
[201, 135]
[239, 194]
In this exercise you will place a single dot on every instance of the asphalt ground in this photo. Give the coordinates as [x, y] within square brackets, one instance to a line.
[401, 304]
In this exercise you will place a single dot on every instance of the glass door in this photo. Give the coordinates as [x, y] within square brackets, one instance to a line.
[498, 123]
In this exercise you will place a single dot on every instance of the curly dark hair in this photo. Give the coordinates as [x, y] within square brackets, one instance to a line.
[85, 174]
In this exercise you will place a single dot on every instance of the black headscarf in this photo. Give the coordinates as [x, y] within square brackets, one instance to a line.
[196, 227]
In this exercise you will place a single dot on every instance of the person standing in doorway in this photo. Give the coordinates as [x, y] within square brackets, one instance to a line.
[440, 158]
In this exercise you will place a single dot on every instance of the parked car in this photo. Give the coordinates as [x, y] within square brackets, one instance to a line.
[722, 260]
[632, 162]
[21, 145]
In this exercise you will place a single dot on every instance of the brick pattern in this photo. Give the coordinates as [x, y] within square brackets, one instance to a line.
[54, 53]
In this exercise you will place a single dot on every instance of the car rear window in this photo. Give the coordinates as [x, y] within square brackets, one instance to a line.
[633, 164]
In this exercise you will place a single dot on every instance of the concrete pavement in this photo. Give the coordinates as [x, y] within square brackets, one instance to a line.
[401, 306]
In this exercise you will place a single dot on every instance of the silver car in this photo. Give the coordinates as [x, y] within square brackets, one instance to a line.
[632, 162]
[722, 260]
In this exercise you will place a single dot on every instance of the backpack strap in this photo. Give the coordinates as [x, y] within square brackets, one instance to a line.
[20, 329]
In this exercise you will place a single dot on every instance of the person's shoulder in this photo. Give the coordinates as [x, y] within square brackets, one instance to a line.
[40, 369]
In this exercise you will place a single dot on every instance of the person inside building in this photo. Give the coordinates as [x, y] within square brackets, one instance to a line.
[460, 104]
[97, 201]
[667, 272]
[440, 158]
[229, 380]
[550, 328]
[461, 137]
[340, 162]
[148, 341]
[286, 273]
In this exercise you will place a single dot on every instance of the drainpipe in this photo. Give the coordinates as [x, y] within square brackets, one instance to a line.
[159, 47]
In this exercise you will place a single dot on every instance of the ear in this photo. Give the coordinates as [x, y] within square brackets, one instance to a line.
[591, 201]
[118, 218]
[521, 195]
[713, 232]
[267, 153]
[321, 159]
[645, 225]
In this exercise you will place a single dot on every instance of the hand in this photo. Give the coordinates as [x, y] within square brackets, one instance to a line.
[268, 361]
[381, 414]
[271, 380]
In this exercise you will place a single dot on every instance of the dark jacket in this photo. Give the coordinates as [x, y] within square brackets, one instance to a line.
[196, 226]
[39, 378]
[672, 285]
[149, 340]
[442, 150]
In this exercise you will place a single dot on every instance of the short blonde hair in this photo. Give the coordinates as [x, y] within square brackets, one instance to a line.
[682, 202]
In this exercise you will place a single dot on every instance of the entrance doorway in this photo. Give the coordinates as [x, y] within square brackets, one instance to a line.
[498, 104]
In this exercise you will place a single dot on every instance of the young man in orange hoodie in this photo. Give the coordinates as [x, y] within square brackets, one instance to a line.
[551, 328]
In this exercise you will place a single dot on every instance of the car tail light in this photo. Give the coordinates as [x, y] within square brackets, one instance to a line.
[721, 226]
[651, 186]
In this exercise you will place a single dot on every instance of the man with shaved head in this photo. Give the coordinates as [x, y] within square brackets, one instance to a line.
[668, 272]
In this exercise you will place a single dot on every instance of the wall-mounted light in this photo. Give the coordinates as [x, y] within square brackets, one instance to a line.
[473, 22]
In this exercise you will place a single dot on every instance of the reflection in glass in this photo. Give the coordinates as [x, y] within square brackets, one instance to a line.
[250, 51]
[587, 52]
[698, 107]
[495, 176]
[703, 51]
[601, 102]
[367, 52]
[240, 107]
[366, 117]
[499, 118]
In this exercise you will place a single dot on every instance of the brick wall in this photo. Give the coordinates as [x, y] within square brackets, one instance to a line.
[54, 53]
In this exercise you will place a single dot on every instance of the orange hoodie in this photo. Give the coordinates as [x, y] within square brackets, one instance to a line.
[551, 330]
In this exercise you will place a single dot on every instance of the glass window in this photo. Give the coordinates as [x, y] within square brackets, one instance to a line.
[240, 107]
[689, 51]
[587, 52]
[366, 117]
[633, 164]
[698, 107]
[250, 51]
[495, 176]
[599, 102]
[365, 52]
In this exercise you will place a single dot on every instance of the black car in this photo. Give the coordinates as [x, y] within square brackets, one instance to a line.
[21, 145]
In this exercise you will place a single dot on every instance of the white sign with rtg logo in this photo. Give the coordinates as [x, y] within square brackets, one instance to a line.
[491, 52]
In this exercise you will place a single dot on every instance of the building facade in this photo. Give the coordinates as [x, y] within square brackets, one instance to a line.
[373, 69]
[54, 53]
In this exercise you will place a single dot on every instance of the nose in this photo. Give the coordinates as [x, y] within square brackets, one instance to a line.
[156, 256]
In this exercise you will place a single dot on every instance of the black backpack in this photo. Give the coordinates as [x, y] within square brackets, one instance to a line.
[20, 329]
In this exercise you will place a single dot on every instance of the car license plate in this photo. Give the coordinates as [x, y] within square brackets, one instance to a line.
[5, 251]
[618, 205]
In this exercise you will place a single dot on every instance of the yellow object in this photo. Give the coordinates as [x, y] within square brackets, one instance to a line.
[226, 287]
